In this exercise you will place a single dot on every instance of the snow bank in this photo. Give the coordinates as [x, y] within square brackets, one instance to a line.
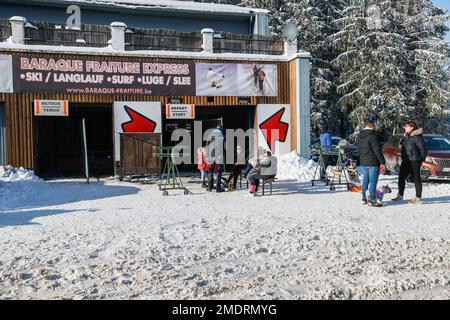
[292, 166]
[12, 174]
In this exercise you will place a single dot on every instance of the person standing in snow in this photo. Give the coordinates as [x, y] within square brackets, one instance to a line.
[261, 77]
[326, 145]
[255, 74]
[370, 161]
[414, 152]
[202, 165]
[215, 156]
[236, 171]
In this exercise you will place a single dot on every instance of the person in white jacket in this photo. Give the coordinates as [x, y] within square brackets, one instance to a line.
[214, 78]
[265, 168]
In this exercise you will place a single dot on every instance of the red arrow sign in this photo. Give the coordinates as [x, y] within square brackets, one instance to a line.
[138, 122]
[274, 129]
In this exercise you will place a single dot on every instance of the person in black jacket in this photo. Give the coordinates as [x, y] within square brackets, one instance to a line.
[370, 161]
[414, 152]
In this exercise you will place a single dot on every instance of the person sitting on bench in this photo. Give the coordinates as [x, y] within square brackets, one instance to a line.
[251, 163]
[266, 168]
[237, 169]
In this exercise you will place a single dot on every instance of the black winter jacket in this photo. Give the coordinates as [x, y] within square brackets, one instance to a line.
[413, 146]
[369, 149]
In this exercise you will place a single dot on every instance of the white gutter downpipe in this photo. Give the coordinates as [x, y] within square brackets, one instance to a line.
[303, 104]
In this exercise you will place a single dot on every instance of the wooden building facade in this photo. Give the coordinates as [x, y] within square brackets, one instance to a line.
[22, 126]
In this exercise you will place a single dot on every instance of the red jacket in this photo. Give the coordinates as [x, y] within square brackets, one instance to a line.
[201, 162]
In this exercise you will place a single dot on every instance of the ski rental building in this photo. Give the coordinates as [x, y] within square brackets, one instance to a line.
[136, 70]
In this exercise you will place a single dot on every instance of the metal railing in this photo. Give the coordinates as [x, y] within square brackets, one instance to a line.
[46, 33]
[162, 39]
[5, 29]
[88, 35]
[244, 43]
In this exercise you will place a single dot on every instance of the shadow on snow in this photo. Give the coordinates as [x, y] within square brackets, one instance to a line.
[20, 203]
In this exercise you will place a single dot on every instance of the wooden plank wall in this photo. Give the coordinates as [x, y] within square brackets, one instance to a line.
[293, 102]
[19, 106]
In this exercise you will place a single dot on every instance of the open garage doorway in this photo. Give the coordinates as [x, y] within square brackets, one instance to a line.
[231, 117]
[60, 145]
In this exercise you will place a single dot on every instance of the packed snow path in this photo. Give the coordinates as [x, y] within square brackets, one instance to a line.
[66, 239]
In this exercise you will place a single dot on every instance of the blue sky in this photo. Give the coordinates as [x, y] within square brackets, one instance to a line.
[444, 4]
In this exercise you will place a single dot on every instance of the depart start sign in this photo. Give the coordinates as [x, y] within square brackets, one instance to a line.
[51, 108]
[180, 111]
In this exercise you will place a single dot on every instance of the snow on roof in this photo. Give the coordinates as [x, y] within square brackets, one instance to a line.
[9, 46]
[168, 5]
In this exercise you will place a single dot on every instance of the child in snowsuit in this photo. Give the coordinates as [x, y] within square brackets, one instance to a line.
[202, 165]
[382, 191]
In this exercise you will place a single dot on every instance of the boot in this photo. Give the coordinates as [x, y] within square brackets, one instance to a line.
[375, 203]
[416, 200]
[398, 198]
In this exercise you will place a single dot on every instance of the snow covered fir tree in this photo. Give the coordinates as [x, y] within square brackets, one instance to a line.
[387, 58]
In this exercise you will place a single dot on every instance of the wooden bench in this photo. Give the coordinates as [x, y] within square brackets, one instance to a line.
[269, 182]
[241, 176]
[262, 183]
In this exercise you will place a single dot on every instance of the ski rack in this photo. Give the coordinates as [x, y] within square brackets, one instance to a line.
[173, 179]
[340, 168]
[320, 169]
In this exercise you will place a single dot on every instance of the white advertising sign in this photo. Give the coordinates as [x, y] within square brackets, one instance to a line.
[6, 78]
[51, 108]
[135, 117]
[228, 79]
[180, 111]
[257, 80]
[274, 132]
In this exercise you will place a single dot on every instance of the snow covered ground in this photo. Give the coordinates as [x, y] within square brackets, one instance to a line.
[65, 239]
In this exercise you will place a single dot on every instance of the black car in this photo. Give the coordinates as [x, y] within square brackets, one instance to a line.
[315, 146]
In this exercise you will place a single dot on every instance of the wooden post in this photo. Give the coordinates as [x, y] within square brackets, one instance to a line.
[86, 162]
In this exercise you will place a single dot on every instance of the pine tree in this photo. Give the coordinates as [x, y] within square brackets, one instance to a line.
[312, 18]
[372, 63]
[429, 78]
[382, 57]
[392, 62]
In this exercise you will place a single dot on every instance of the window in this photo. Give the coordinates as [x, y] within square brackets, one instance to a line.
[2, 135]
[437, 143]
